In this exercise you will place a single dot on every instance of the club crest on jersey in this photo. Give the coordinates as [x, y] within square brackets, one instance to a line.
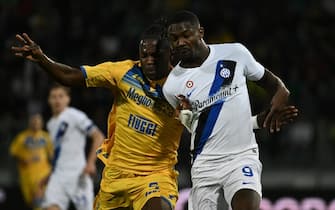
[225, 73]
[225, 70]
[189, 84]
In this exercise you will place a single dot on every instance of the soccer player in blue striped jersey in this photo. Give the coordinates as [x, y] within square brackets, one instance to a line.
[213, 80]
[72, 175]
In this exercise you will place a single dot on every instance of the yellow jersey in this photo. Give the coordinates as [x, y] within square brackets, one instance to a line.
[142, 129]
[34, 148]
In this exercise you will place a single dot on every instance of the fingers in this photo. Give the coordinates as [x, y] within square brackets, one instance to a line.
[184, 102]
[181, 97]
[20, 51]
[267, 120]
[273, 124]
[288, 114]
[278, 124]
[27, 38]
[282, 117]
[272, 121]
[17, 51]
[20, 38]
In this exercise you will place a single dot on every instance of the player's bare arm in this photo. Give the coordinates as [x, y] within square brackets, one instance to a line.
[97, 139]
[64, 74]
[280, 95]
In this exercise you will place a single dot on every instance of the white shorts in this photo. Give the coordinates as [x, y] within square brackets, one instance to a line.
[60, 191]
[226, 176]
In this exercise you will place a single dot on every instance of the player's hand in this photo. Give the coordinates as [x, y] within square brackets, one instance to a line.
[29, 49]
[286, 115]
[278, 102]
[183, 103]
[90, 169]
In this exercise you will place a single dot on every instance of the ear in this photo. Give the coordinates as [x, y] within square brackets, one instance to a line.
[201, 32]
[68, 100]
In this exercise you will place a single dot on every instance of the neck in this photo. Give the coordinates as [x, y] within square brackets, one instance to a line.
[55, 113]
[198, 59]
[34, 130]
[153, 83]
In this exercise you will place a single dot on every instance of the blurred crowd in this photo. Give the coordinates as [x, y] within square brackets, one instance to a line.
[293, 38]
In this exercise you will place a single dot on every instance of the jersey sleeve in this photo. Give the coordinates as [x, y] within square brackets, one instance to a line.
[169, 94]
[84, 123]
[49, 147]
[107, 74]
[253, 70]
[15, 146]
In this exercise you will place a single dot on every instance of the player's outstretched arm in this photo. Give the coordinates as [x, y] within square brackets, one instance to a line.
[280, 95]
[286, 115]
[64, 74]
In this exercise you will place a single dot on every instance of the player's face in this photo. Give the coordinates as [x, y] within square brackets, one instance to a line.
[58, 100]
[36, 122]
[154, 58]
[185, 39]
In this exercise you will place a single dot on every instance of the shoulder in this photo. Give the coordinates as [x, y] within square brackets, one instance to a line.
[108, 68]
[44, 133]
[176, 71]
[73, 112]
[21, 135]
[232, 47]
[121, 65]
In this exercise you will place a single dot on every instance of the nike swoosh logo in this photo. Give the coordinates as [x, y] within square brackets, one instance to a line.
[247, 182]
[189, 93]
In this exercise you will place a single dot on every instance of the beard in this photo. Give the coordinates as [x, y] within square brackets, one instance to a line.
[182, 54]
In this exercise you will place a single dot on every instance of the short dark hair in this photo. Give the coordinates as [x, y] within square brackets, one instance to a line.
[60, 86]
[184, 16]
[157, 31]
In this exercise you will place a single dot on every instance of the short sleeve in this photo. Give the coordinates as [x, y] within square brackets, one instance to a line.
[253, 70]
[50, 147]
[106, 74]
[168, 92]
[15, 146]
[84, 123]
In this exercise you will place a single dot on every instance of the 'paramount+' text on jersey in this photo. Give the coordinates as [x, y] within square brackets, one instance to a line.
[218, 92]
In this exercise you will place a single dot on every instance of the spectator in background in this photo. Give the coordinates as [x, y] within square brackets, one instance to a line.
[33, 150]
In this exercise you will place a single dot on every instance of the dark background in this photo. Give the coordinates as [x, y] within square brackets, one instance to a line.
[292, 38]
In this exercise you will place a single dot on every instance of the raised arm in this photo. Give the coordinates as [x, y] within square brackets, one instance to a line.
[62, 73]
[280, 95]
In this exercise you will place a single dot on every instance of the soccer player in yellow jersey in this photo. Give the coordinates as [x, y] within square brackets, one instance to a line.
[139, 173]
[143, 133]
[33, 151]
